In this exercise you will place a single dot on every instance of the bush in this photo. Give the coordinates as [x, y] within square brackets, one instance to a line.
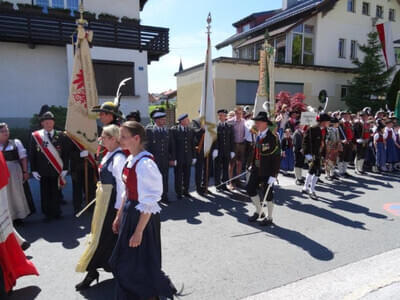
[60, 115]
[23, 134]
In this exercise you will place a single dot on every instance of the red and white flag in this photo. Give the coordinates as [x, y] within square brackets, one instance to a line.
[12, 259]
[386, 38]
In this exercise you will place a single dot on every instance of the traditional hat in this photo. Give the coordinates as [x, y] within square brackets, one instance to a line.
[222, 111]
[108, 107]
[323, 117]
[334, 120]
[158, 113]
[134, 115]
[48, 115]
[182, 117]
[263, 117]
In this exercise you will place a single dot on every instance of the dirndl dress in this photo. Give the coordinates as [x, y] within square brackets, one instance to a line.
[138, 270]
[380, 152]
[287, 162]
[391, 149]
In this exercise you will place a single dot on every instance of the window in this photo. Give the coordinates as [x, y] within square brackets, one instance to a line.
[246, 91]
[303, 45]
[57, 3]
[43, 3]
[351, 5]
[397, 53]
[110, 73]
[342, 48]
[280, 46]
[379, 11]
[246, 27]
[365, 8]
[257, 49]
[353, 50]
[297, 48]
[392, 15]
[291, 87]
[308, 56]
[73, 5]
[344, 91]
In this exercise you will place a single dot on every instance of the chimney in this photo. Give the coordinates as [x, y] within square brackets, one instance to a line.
[289, 3]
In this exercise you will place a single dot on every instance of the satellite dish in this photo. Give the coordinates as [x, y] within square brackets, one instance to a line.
[322, 96]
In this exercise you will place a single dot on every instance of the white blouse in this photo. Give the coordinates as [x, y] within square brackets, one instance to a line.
[21, 149]
[149, 183]
[386, 133]
[116, 168]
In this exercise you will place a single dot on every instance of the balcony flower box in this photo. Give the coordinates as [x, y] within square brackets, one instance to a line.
[6, 6]
[130, 21]
[59, 12]
[108, 18]
[30, 9]
[88, 16]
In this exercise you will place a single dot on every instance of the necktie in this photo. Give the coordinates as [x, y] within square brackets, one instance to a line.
[49, 136]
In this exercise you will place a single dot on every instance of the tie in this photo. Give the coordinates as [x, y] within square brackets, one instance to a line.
[49, 136]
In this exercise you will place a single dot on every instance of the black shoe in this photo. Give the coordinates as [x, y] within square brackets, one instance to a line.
[319, 181]
[187, 195]
[179, 196]
[347, 175]
[298, 182]
[165, 200]
[265, 222]
[254, 217]
[85, 283]
[329, 178]
[335, 177]
[25, 245]
[303, 191]
[313, 196]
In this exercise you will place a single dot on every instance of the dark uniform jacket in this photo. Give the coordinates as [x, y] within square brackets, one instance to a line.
[225, 142]
[39, 162]
[269, 152]
[297, 141]
[312, 141]
[160, 144]
[184, 144]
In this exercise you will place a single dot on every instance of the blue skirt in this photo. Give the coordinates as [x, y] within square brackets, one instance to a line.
[137, 271]
[391, 152]
[287, 162]
[380, 155]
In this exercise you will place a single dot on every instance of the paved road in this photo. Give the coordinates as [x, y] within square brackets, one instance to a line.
[210, 247]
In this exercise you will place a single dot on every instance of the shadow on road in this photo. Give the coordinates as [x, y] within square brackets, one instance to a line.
[26, 293]
[104, 290]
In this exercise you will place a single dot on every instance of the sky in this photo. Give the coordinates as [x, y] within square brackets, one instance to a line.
[186, 20]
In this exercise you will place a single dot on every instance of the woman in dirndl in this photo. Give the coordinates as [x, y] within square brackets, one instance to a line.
[287, 160]
[391, 145]
[17, 162]
[110, 188]
[136, 259]
[380, 148]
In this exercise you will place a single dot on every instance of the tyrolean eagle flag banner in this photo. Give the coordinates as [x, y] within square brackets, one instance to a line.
[81, 124]
[386, 38]
[207, 108]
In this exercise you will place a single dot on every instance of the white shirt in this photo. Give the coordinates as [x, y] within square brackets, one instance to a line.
[47, 133]
[248, 136]
[21, 149]
[263, 134]
[149, 183]
[386, 133]
[116, 168]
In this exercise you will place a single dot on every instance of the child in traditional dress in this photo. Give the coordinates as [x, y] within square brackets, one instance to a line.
[380, 148]
[396, 128]
[287, 161]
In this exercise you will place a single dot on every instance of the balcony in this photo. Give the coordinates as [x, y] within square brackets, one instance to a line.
[46, 29]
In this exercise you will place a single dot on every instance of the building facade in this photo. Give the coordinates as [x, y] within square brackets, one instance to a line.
[315, 41]
[37, 55]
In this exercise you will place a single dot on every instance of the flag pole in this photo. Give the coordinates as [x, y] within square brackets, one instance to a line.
[205, 102]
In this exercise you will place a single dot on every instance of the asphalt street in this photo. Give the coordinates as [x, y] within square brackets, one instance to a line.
[211, 248]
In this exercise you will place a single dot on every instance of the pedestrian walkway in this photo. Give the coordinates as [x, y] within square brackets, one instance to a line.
[377, 277]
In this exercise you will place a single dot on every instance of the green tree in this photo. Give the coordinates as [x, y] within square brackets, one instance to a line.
[372, 79]
[60, 116]
[392, 92]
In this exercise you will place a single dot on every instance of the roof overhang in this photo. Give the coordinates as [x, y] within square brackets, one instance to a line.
[282, 19]
[142, 3]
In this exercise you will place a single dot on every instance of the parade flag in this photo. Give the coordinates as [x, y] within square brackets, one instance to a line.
[13, 262]
[207, 108]
[81, 123]
[265, 97]
[397, 107]
[386, 38]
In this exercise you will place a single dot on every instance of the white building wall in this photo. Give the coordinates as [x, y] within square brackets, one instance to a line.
[339, 23]
[120, 8]
[141, 100]
[30, 78]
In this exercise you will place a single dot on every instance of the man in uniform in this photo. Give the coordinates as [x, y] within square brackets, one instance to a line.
[223, 149]
[160, 144]
[312, 146]
[264, 169]
[49, 163]
[362, 136]
[184, 145]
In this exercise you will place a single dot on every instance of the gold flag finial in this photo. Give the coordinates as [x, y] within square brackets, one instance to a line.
[81, 20]
[209, 23]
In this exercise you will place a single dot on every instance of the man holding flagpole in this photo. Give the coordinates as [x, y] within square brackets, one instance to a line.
[207, 107]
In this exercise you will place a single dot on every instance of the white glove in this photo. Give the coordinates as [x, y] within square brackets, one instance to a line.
[271, 180]
[360, 141]
[175, 163]
[64, 173]
[232, 155]
[84, 153]
[308, 157]
[36, 176]
[215, 154]
[194, 161]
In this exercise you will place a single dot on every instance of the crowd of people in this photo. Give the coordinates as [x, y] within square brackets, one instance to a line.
[130, 174]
